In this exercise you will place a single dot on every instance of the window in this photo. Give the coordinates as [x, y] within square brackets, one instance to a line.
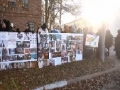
[12, 3]
[25, 3]
[31, 26]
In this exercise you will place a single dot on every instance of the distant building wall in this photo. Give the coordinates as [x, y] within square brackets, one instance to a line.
[21, 12]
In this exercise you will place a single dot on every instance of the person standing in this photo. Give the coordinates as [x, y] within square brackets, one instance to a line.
[43, 29]
[117, 44]
[108, 41]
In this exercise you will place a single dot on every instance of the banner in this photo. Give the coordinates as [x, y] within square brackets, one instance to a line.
[59, 48]
[92, 40]
[17, 50]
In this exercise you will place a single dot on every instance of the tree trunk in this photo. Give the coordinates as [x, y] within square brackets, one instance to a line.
[60, 12]
[46, 11]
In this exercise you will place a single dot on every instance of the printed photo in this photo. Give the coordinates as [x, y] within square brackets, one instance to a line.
[77, 37]
[19, 50]
[33, 50]
[5, 51]
[64, 59]
[5, 58]
[26, 44]
[20, 36]
[20, 57]
[11, 44]
[0, 51]
[43, 37]
[51, 62]
[12, 51]
[56, 54]
[40, 55]
[19, 44]
[27, 57]
[40, 47]
[26, 36]
[69, 38]
[13, 58]
[46, 55]
[0, 58]
[63, 54]
[45, 62]
[63, 47]
[21, 65]
[3, 35]
[27, 51]
[52, 46]
[12, 36]
[58, 46]
[34, 64]
[26, 64]
[33, 56]
[3, 43]
[40, 64]
[46, 47]
[52, 37]
[58, 36]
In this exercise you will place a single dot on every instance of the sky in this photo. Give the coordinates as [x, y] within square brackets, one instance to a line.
[98, 11]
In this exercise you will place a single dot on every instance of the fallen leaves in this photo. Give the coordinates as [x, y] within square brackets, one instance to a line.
[106, 81]
[26, 79]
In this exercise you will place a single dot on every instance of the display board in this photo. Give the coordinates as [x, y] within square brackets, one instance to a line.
[18, 50]
[92, 40]
[59, 48]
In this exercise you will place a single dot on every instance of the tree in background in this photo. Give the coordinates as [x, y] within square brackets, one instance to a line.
[54, 9]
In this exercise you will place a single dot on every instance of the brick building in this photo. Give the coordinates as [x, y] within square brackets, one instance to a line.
[21, 12]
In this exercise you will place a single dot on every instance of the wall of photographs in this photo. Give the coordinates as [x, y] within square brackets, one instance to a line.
[59, 48]
[25, 50]
[18, 50]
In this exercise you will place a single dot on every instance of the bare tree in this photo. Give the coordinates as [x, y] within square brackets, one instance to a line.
[55, 8]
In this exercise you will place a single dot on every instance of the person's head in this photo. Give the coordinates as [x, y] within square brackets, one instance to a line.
[108, 32]
[44, 26]
[40, 46]
[119, 31]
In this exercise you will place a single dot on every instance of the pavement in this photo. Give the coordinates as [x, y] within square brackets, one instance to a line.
[76, 79]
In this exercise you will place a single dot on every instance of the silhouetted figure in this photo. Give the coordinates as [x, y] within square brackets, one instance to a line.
[117, 45]
[99, 43]
[6, 25]
[108, 40]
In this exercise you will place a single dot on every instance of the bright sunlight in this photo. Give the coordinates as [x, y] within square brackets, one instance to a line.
[99, 11]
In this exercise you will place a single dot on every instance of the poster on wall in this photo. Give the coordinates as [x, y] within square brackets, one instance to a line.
[75, 47]
[17, 50]
[59, 48]
[92, 40]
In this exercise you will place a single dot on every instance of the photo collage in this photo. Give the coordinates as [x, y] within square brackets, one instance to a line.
[17, 47]
[49, 45]
[56, 49]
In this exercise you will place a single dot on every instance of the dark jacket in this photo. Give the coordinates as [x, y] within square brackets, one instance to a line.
[108, 40]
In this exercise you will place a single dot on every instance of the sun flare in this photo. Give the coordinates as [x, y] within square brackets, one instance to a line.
[99, 11]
